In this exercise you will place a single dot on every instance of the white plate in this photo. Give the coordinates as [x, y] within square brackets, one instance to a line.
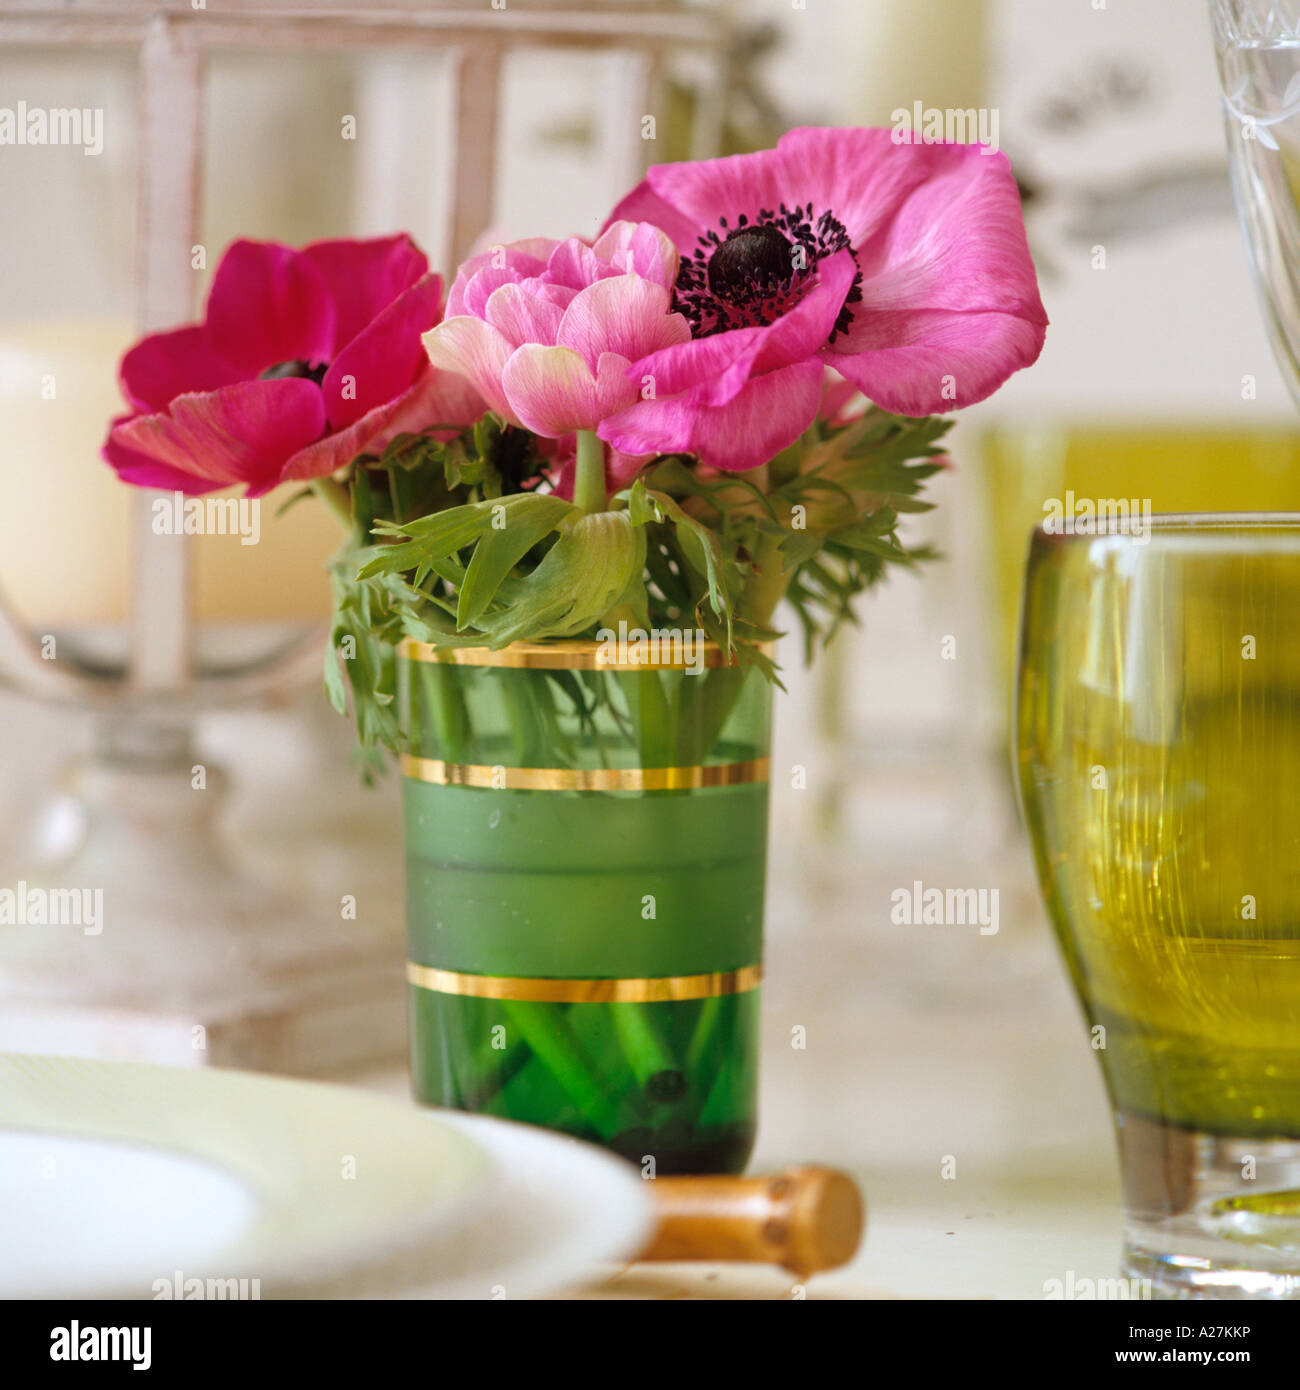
[119, 1180]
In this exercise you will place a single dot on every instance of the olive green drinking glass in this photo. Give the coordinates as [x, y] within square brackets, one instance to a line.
[1159, 759]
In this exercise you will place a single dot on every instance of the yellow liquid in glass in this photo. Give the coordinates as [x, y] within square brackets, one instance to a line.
[1159, 737]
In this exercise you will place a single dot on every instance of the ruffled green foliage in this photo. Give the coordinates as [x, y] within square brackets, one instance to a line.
[460, 543]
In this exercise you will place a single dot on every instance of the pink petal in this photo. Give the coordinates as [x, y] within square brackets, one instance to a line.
[385, 358]
[938, 361]
[164, 365]
[541, 288]
[521, 317]
[364, 277]
[475, 350]
[621, 468]
[239, 434]
[643, 204]
[553, 391]
[144, 471]
[767, 415]
[436, 398]
[269, 304]
[575, 265]
[613, 390]
[519, 260]
[857, 174]
[623, 314]
[639, 248]
[479, 276]
[478, 289]
[795, 336]
[721, 364]
[957, 243]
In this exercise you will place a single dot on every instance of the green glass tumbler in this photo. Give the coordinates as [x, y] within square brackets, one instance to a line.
[586, 846]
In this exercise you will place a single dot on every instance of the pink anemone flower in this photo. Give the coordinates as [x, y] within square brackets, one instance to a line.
[902, 266]
[304, 360]
[548, 332]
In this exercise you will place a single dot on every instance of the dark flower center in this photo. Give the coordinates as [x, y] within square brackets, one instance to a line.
[296, 367]
[749, 275]
[751, 259]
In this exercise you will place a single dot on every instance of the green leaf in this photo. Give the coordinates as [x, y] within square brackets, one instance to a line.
[884, 546]
[429, 539]
[335, 685]
[800, 546]
[361, 656]
[581, 577]
[363, 511]
[499, 550]
[707, 556]
[409, 452]
[879, 523]
[639, 510]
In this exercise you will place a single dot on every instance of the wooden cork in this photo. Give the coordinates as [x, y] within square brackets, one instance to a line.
[806, 1219]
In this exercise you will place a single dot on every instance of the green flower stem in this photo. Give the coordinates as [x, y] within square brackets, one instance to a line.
[527, 725]
[337, 502]
[557, 741]
[589, 479]
[550, 1036]
[704, 703]
[686, 717]
[709, 1061]
[653, 719]
[650, 709]
[766, 586]
[704, 1038]
[716, 1103]
[448, 713]
[645, 1051]
[492, 1069]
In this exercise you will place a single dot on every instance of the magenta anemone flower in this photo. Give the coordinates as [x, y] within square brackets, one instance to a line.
[548, 331]
[303, 361]
[904, 267]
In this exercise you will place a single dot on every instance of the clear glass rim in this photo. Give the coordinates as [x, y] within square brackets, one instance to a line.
[1142, 530]
[1238, 23]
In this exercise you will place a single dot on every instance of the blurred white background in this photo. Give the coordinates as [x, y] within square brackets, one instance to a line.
[1112, 119]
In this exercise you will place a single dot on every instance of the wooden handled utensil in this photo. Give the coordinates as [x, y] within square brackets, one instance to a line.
[805, 1219]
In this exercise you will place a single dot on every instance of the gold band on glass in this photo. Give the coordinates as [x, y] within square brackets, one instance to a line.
[583, 779]
[564, 656]
[655, 990]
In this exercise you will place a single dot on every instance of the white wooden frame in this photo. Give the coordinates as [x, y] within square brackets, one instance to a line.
[171, 37]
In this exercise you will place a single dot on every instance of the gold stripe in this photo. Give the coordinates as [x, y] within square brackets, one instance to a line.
[583, 779]
[657, 990]
[560, 656]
